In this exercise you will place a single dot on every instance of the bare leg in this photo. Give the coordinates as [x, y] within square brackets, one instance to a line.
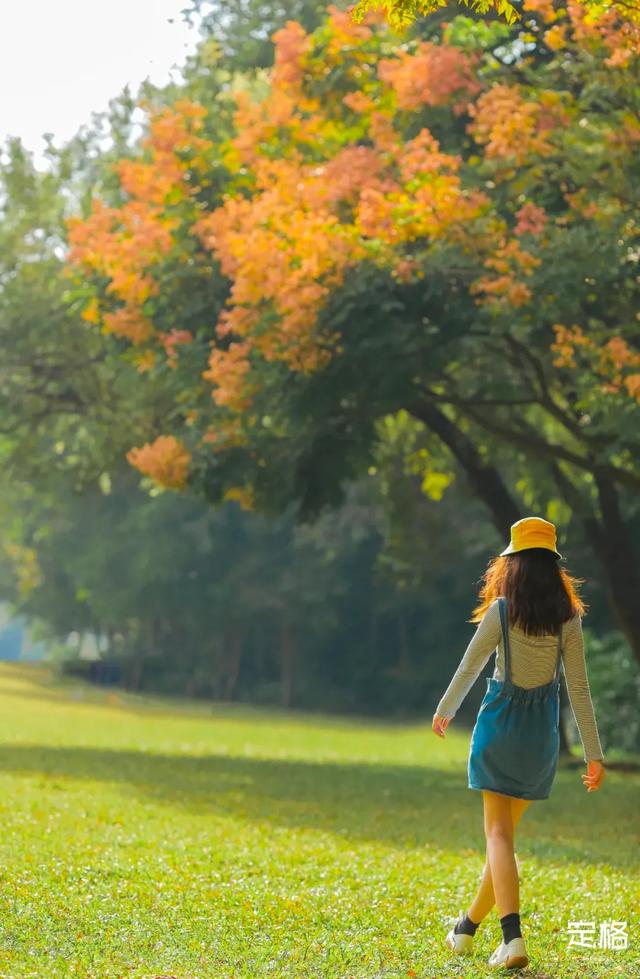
[485, 898]
[498, 828]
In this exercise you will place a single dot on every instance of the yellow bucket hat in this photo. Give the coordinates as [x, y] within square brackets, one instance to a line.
[532, 532]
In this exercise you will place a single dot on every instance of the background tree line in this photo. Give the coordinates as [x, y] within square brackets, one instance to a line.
[328, 556]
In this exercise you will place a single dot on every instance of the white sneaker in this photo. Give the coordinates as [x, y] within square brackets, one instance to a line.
[513, 955]
[461, 944]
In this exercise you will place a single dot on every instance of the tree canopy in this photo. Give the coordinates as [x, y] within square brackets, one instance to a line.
[444, 226]
[402, 13]
[380, 288]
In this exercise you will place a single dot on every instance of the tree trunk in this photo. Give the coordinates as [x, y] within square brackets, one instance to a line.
[615, 558]
[233, 655]
[288, 652]
[373, 631]
[620, 563]
[260, 640]
[404, 660]
[217, 667]
[136, 667]
[609, 538]
[404, 663]
[484, 479]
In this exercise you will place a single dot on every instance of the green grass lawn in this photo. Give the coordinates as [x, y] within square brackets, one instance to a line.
[146, 837]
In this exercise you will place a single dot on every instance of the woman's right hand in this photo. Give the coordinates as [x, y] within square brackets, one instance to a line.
[594, 777]
[439, 725]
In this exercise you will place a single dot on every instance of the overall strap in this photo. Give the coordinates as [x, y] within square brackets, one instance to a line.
[502, 604]
[559, 656]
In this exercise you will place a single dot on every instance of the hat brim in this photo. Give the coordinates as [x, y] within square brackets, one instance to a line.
[514, 550]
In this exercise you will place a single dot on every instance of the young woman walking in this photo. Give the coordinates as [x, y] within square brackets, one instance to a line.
[530, 614]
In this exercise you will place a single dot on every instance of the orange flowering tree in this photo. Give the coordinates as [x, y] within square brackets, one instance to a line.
[384, 219]
[446, 224]
[401, 13]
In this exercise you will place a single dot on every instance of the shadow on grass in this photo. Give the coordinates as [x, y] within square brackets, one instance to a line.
[401, 806]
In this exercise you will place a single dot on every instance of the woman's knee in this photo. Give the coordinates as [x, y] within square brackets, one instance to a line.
[498, 821]
[499, 830]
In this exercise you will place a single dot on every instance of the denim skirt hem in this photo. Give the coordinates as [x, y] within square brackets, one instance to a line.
[512, 795]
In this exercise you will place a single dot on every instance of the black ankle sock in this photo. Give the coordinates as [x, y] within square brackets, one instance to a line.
[510, 926]
[466, 926]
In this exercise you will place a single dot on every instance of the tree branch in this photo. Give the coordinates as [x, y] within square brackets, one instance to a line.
[484, 479]
[543, 447]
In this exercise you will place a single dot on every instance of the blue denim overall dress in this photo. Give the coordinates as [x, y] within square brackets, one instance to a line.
[515, 741]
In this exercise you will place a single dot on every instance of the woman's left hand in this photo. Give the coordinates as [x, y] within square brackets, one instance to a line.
[595, 775]
[439, 725]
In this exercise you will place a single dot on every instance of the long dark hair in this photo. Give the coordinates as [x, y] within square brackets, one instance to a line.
[540, 594]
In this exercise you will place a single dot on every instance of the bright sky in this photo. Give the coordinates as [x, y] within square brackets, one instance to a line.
[61, 60]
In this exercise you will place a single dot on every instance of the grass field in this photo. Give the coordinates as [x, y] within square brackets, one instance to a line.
[146, 837]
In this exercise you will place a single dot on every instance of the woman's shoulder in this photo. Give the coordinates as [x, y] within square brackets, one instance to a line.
[492, 613]
[574, 624]
[490, 620]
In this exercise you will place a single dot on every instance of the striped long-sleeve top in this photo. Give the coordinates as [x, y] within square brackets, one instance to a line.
[532, 663]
